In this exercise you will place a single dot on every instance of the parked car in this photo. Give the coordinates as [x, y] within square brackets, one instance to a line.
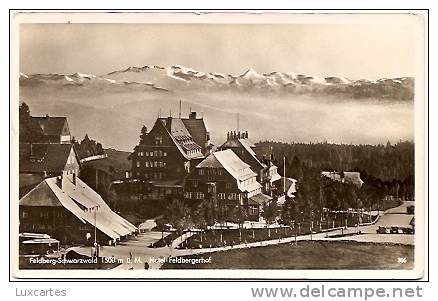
[395, 230]
[381, 230]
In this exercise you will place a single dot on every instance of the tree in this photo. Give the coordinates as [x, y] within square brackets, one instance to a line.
[179, 215]
[269, 213]
[144, 134]
[239, 214]
[30, 131]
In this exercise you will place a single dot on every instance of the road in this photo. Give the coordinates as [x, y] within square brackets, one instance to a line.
[137, 247]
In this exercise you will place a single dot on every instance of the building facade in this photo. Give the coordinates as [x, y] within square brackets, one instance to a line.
[266, 171]
[225, 179]
[55, 129]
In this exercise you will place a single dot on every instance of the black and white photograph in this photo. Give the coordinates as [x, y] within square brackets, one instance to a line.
[218, 145]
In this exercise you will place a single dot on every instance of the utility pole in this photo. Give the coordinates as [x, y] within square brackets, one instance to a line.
[284, 176]
[237, 130]
[179, 109]
[95, 230]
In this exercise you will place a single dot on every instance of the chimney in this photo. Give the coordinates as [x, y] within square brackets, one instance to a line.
[74, 178]
[246, 134]
[228, 136]
[234, 135]
[169, 123]
[59, 181]
[192, 115]
[238, 135]
[47, 116]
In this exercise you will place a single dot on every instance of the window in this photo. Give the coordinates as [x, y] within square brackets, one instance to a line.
[232, 196]
[229, 185]
[156, 153]
[25, 214]
[146, 175]
[199, 195]
[160, 153]
[44, 214]
[201, 172]
[151, 154]
[221, 196]
[164, 154]
[158, 140]
[138, 163]
[254, 210]
[146, 154]
[195, 183]
[219, 172]
[164, 164]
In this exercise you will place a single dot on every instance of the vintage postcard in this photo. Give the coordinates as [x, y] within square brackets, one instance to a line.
[206, 145]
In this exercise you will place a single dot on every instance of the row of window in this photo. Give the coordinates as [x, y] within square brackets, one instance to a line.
[152, 164]
[221, 196]
[194, 195]
[195, 183]
[153, 175]
[156, 153]
[210, 171]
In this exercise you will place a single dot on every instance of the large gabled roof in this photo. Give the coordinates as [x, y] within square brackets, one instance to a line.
[247, 145]
[51, 125]
[197, 129]
[228, 160]
[82, 201]
[43, 157]
[181, 137]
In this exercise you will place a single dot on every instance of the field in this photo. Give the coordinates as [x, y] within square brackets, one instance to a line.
[310, 255]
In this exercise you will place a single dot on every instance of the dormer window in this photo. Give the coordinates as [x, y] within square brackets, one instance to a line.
[158, 140]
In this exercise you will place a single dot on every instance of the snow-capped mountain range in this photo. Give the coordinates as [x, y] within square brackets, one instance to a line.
[177, 77]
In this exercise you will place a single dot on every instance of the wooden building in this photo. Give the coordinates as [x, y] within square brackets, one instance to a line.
[38, 161]
[225, 179]
[55, 129]
[266, 171]
[65, 208]
[164, 157]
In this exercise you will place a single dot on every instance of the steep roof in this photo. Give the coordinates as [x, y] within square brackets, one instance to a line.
[182, 137]
[248, 146]
[41, 157]
[290, 185]
[210, 162]
[197, 129]
[51, 125]
[40, 195]
[81, 201]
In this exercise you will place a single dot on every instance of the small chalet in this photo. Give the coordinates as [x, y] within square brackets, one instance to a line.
[224, 178]
[348, 177]
[55, 129]
[240, 144]
[67, 209]
[38, 161]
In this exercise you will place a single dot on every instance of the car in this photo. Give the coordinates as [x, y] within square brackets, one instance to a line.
[381, 230]
[394, 230]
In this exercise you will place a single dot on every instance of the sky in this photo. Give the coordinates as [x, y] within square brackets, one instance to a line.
[351, 50]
